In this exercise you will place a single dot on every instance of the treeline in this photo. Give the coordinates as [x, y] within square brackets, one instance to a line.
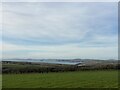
[18, 68]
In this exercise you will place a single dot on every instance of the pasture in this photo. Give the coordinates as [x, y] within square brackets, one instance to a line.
[76, 79]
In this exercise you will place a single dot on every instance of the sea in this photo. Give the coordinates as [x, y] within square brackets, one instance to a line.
[52, 61]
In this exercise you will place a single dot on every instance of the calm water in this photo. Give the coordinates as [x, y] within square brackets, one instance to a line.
[43, 61]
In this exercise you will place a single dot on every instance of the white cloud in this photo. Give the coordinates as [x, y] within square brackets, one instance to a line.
[60, 30]
[60, 1]
[45, 22]
[64, 51]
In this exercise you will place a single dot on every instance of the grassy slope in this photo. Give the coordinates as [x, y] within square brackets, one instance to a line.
[59, 80]
[0, 81]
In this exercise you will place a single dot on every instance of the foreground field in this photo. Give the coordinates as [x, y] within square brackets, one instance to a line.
[0, 81]
[81, 79]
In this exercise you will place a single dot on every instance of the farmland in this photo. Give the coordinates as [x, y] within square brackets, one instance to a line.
[28, 67]
[76, 79]
[44, 75]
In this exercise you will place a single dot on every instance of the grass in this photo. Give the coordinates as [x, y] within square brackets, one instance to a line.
[81, 79]
[0, 81]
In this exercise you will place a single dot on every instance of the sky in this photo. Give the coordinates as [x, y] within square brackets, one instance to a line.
[53, 30]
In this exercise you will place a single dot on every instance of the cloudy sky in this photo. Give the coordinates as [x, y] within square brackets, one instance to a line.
[60, 30]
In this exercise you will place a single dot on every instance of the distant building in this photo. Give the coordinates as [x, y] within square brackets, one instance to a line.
[80, 64]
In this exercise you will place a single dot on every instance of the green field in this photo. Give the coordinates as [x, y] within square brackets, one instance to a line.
[81, 79]
[0, 81]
